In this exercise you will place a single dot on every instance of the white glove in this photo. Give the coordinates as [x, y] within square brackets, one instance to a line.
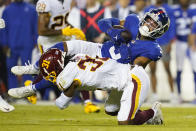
[63, 101]
[2, 24]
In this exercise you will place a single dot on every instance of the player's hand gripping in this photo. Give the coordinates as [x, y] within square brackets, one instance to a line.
[119, 35]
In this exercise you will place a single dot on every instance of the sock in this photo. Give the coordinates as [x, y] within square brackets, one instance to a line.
[36, 65]
[43, 84]
[142, 116]
[63, 101]
[178, 81]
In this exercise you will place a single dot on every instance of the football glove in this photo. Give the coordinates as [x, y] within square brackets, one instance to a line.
[66, 31]
[79, 34]
[117, 35]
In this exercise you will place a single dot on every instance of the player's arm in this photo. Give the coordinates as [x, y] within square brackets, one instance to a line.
[106, 24]
[142, 61]
[67, 83]
[64, 99]
[191, 41]
[61, 46]
[43, 28]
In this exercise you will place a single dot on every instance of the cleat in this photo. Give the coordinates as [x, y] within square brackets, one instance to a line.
[32, 99]
[5, 107]
[21, 92]
[158, 117]
[91, 108]
[27, 69]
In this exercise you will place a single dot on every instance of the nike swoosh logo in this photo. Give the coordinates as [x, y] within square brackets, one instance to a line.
[7, 109]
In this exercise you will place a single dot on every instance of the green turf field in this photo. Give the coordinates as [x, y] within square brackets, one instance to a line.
[50, 118]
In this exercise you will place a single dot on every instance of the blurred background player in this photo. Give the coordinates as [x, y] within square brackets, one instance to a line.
[165, 42]
[183, 19]
[4, 106]
[19, 36]
[138, 7]
[52, 15]
[111, 9]
[124, 9]
[3, 65]
[192, 46]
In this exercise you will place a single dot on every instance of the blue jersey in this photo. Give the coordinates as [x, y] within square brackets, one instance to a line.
[128, 53]
[170, 33]
[183, 23]
[131, 24]
[148, 49]
[120, 53]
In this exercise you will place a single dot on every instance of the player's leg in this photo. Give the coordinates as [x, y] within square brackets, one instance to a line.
[31, 89]
[181, 48]
[166, 62]
[132, 98]
[12, 61]
[154, 96]
[4, 106]
[193, 63]
[25, 56]
[84, 47]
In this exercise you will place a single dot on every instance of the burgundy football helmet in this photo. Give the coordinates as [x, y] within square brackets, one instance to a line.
[51, 64]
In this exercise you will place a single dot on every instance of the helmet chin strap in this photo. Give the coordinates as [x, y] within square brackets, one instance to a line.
[144, 30]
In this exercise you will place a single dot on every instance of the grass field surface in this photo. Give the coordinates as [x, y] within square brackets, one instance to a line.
[50, 118]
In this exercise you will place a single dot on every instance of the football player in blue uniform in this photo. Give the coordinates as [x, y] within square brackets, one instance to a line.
[165, 42]
[183, 19]
[154, 24]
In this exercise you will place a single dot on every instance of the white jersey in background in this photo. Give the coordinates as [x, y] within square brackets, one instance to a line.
[59, 10]
[95, 73]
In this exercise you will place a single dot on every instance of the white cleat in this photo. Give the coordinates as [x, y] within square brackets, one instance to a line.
[21, 92]
[158, 117]
[27, 69]
[5, 107]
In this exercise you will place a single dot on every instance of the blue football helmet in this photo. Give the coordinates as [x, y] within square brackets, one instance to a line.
[154, 23]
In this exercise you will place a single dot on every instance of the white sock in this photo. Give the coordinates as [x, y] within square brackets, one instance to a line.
[63, 101]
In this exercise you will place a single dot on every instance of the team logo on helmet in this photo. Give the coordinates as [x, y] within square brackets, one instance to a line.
[51, 64]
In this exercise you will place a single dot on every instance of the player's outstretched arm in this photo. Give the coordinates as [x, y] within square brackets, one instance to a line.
[142, 61]
[106, 24]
